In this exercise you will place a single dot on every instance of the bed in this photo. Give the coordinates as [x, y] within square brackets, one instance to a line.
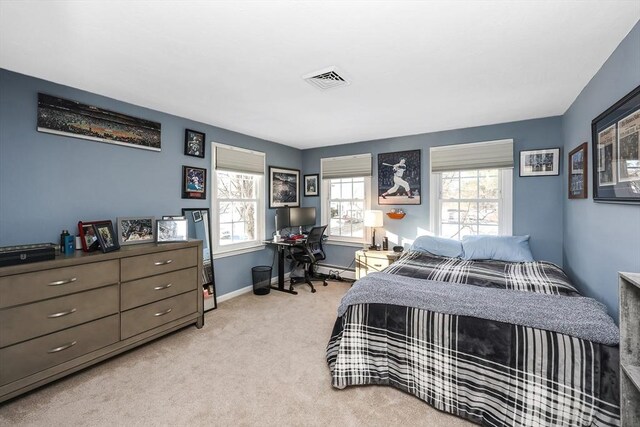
[471, 346]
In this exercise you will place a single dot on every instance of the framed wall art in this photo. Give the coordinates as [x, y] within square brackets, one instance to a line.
[284, 187]
[616, 151]
[194, 143]
[540, 162]
[311, 185]
[578, 172]
[106, 236]
[194, 183]
[399, 178]
[134, 230]
[71, 118]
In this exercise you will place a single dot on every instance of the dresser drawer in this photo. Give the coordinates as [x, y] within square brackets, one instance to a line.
[27, 358]
[157, 263]
[28, 287]
[32, 320]
[154, 288]
[141, 319]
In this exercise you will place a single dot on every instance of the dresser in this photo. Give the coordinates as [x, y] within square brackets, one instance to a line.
[371, 261]
[60, 316]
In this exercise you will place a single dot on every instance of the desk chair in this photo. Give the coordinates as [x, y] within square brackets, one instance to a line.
[307, 255]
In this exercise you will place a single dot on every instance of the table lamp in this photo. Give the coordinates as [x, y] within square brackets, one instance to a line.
[373, 219]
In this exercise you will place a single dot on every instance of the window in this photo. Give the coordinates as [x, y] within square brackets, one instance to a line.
[472, 202]
[346, 184]
[238, 201]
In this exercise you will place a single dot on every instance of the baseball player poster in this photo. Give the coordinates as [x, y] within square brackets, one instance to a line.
[399, 178]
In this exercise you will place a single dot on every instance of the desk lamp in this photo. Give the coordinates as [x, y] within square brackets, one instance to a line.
[373, 219]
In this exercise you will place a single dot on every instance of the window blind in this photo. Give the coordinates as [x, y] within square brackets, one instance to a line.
[234, 159]
[477, 155]
[346, 166]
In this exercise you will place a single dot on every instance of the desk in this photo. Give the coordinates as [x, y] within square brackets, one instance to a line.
[281, 247]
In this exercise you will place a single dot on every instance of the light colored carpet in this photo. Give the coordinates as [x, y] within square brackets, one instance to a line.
[259, 360]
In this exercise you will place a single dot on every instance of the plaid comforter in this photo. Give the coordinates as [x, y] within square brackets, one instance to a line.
[491, 373]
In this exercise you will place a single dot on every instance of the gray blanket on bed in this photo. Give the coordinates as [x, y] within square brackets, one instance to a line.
[577, 316]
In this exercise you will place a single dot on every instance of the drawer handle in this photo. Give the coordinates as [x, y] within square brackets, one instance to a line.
[162, 313]
[169, 261]
[63, 347]
[159, 288]
[377, 265]
[63, 282]
[62, 313]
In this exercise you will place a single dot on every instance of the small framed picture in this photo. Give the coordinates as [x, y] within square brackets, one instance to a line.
[540, 162]
[311, 185]
[197, 216]
[171, 230]
[284, 187]
[106, 236]
[88, 235]
[194, 183]
[194, 143]
[578, 172]
[136, 230]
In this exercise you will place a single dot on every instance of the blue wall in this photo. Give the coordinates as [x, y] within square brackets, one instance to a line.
[50, 182]
[537, 206]
[601, 239]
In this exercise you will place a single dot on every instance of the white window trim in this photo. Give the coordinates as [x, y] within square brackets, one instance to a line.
[505, 227]
[221, 251]
[325, 214]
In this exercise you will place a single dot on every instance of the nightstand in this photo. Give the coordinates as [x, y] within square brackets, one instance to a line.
[371, 261]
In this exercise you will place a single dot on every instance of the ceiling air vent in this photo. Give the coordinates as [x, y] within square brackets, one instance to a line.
[326, 79]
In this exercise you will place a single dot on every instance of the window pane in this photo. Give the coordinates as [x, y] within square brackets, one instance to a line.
[450, 187]
[358, 190]
[237, 212]
[335, 189]
[346, 190]
[226, 231]
[469, 188]
[488, 187]
[450, 212]
[224, 185]
[490, 230]
[488, 213]
[469, 174]
[468, 230]
[225, 212]
[450, 231]
[468, 212]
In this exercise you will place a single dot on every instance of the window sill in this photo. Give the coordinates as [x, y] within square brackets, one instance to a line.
[238, 251]
[344, 243]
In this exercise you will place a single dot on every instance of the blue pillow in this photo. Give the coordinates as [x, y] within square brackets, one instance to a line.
[438, 246]
[500, 248]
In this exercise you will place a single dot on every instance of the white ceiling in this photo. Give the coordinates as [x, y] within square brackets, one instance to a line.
[414, 66]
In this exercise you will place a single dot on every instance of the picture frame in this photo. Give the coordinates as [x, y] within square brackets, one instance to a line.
[74, 119]
[399, 178]
[577, 172]
[194, 143]
[312, 185]
[199, 227]
[106, 236]
[171, 230]
[194, 183]
[136, 230]
[88, 236]
[284, 187]
[543, 162]
[615, 147]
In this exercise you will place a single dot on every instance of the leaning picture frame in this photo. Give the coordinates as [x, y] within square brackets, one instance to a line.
[284, 187]
[135, 230]
[198, 227]
[577, 173]
[543, 162]
[106, 236]
[615, 148]
[171, 230]
[87, 235]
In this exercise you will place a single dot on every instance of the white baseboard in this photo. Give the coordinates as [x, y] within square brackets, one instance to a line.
[346, 274]
[247, 289]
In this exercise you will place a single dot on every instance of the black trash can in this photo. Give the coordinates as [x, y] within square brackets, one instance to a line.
[261, 279]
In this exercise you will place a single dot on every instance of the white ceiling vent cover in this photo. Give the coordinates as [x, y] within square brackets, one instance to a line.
[326, 78]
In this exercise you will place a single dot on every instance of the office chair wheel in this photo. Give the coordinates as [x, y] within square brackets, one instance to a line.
[324, 283]
[313, 290]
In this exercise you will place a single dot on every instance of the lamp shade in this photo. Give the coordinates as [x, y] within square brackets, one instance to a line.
[373, 219]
